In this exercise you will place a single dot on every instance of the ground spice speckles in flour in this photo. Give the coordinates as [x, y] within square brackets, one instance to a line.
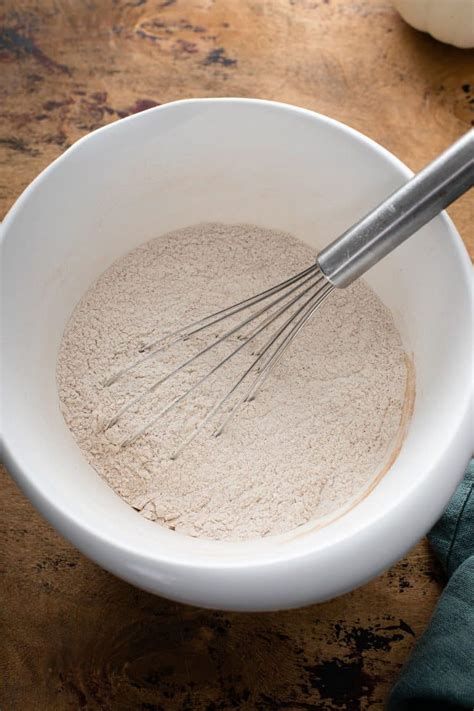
[320, 430]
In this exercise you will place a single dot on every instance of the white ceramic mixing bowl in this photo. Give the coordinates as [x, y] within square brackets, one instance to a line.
[230, 160]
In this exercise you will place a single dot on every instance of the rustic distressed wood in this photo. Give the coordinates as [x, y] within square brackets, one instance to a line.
[73, 636]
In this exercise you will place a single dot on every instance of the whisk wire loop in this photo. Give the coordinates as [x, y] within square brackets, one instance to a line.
[310, 283]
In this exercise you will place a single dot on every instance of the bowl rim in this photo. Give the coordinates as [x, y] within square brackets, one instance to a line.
[74, 528]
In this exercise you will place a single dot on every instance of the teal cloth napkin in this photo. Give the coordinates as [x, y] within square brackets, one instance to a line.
[439, 675]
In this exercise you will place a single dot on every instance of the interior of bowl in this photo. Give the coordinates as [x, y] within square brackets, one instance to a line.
[230, 161]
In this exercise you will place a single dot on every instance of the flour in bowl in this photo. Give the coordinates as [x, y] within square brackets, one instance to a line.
[325, 424]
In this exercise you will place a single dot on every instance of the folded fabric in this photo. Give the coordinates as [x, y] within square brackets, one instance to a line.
[439, 676]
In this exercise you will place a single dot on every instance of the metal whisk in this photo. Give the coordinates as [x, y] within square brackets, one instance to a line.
[288, 306]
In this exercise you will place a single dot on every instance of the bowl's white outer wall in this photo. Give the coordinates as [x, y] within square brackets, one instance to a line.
[234, 160]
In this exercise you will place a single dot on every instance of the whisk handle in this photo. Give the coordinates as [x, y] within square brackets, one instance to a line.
[406, 210]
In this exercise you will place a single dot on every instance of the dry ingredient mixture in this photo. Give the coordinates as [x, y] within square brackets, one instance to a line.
[323, 426]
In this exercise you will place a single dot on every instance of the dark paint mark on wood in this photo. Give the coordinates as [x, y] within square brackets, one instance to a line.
[56, 562]
[16, 44]
[51, 105]
[23, 20]
[145, 35]
[137, 107]
[158, 30]
[185, 46]
[403, 584]
[345, 683]
[59, 139]
[19, 145]
[217, 56]
[365, 639]
[345, 680]
[33, 82]
[99, 96]
[406, 628]
[402, 625]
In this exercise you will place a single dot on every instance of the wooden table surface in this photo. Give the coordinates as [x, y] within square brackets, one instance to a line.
[73, 636]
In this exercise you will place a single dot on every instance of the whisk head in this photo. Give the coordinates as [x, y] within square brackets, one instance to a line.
[281, 311]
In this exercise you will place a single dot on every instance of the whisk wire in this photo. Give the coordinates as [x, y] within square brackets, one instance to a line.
[151, 388]
[275, 357]
[250, 369]
[217, 316]
[191, 329]
[270, 319]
